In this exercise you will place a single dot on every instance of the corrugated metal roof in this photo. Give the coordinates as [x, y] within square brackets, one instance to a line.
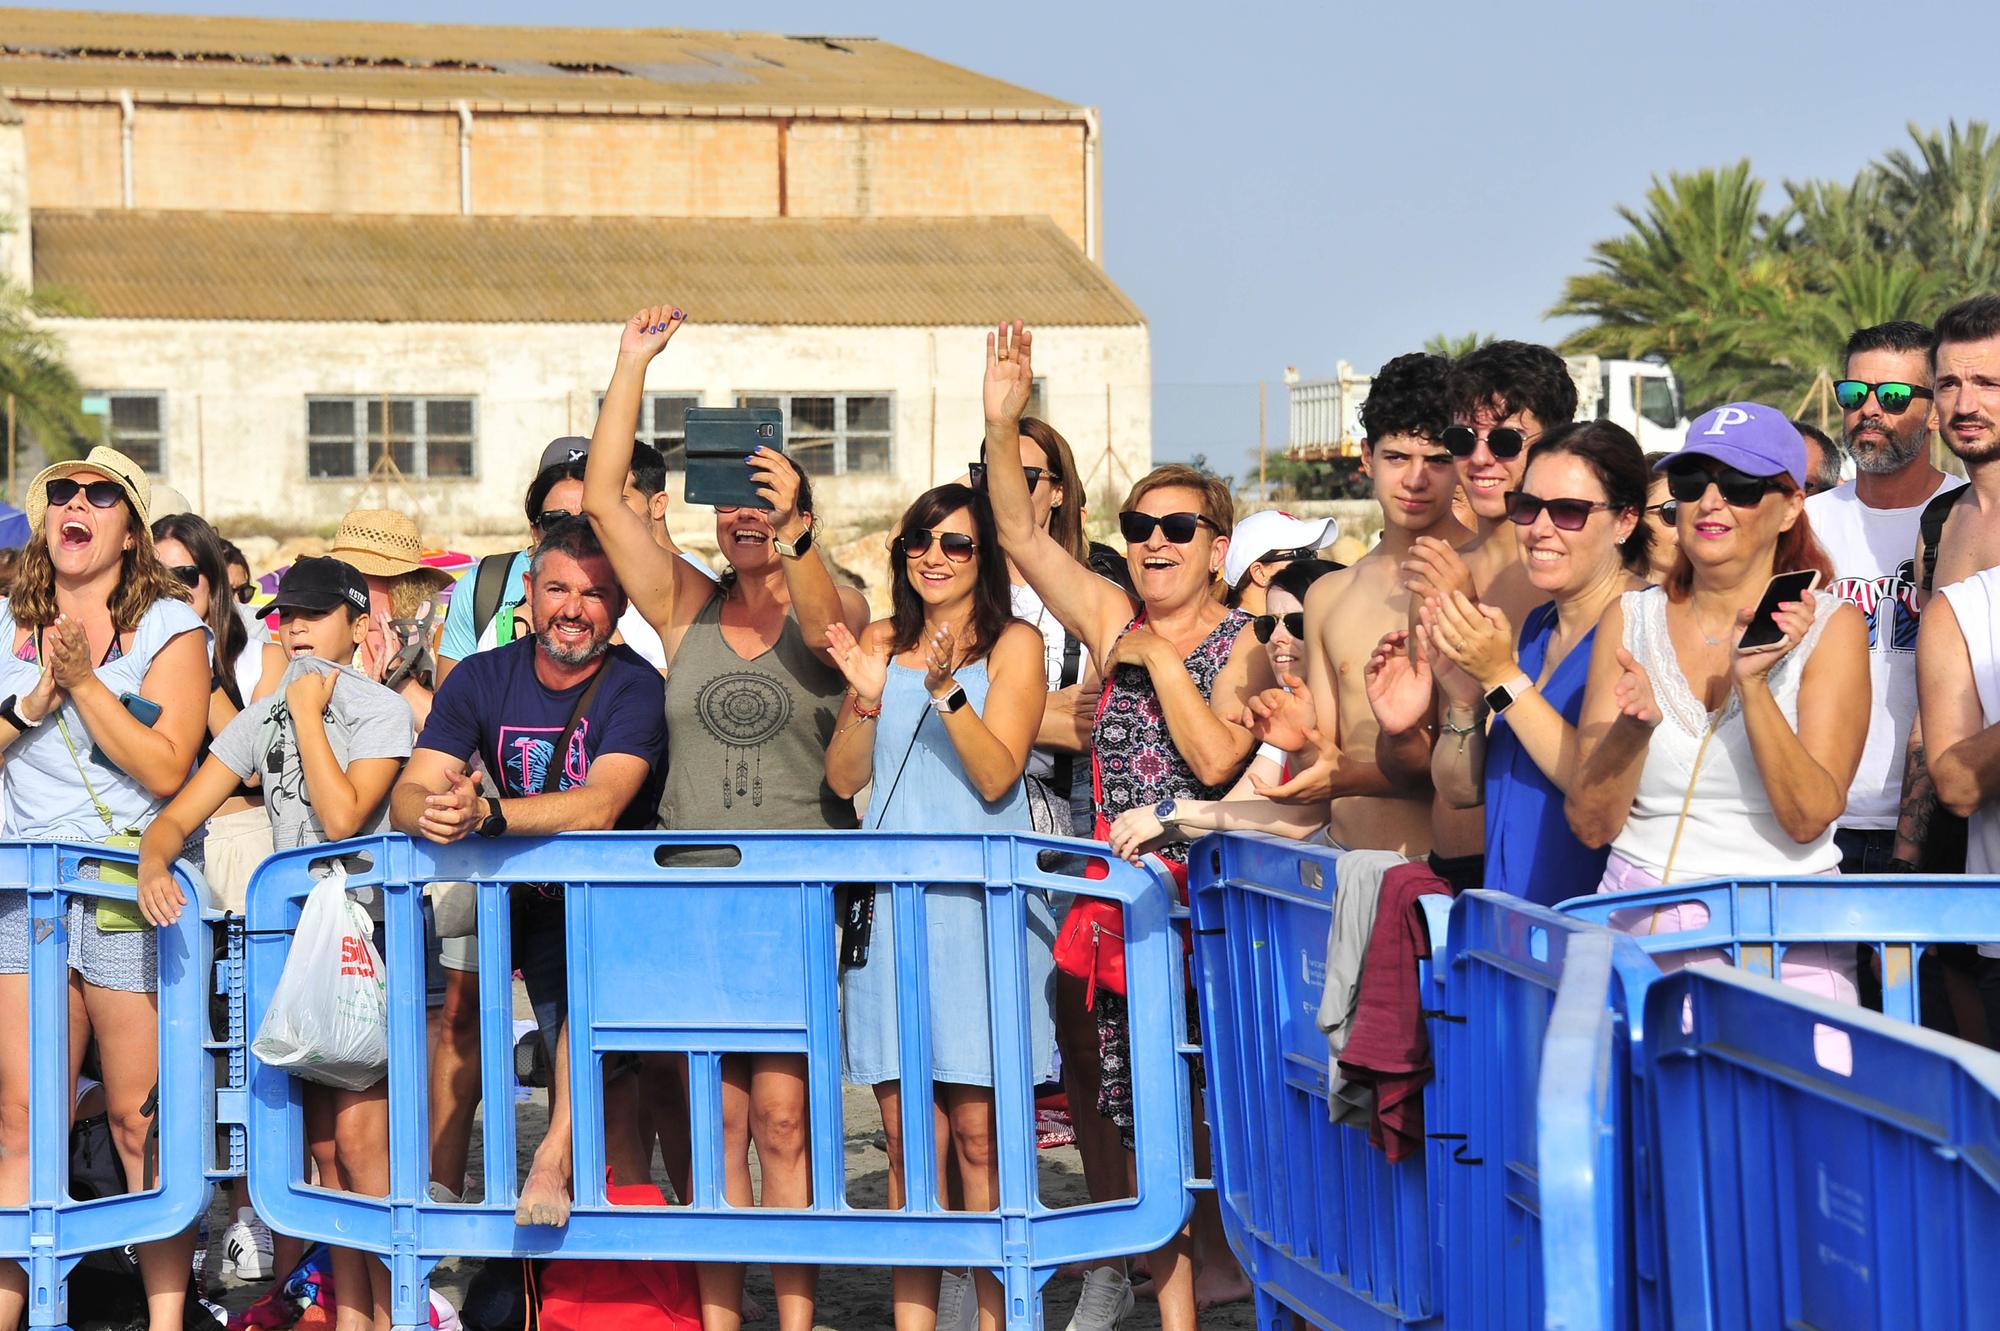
[291, 268]
[200, 58]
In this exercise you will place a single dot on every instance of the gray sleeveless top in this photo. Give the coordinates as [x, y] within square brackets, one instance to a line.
[746, 740]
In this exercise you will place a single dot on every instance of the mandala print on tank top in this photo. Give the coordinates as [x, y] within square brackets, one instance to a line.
[742, 711]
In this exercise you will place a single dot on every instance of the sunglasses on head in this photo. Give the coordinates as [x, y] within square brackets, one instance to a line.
[1502, 441]
[1667, 511]
[1266, 625]
[1566, 514]
[976, 473]
[549, 517]
[916, 543]
[101, 494]
[189, 574]
[1893, 397]
[1179, 528]
[1689, 484]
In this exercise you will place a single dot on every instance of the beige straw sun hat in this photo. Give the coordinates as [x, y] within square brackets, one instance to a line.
[383, 542]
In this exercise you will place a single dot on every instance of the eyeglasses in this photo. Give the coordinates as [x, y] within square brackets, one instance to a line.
[1667, 511]
[1893, 397]
[1566, 514]
[189, 574]
[551, 516]
[976, 473]
[916, 543]
[1178, 528]
[1689, 484]
[1266, 625]
[1502, 441]
[101, 494]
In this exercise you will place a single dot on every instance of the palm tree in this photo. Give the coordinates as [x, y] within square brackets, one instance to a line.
[37, 390]
[1455, 348]
[1946, 192]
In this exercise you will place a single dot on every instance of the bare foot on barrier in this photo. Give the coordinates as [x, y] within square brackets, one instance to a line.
[544, 1198]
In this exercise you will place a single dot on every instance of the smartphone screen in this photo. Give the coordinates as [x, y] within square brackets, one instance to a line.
[1763, 631]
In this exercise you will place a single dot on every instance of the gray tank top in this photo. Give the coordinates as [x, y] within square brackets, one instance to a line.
[746, 740]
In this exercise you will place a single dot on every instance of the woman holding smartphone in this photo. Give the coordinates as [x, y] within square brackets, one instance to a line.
[103, 707]
[1703, 756]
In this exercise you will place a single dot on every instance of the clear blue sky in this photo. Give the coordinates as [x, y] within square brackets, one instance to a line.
[1310, 183]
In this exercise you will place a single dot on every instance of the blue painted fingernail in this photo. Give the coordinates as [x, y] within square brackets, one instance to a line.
[679, 315]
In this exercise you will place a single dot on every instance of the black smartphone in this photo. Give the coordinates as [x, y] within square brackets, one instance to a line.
[1763, 633]
[145, 710]
[719, 440]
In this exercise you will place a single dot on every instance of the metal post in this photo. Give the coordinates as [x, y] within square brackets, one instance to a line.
[1263, 494]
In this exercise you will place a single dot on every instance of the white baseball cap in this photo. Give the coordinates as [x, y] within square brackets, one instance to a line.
[1271, 532]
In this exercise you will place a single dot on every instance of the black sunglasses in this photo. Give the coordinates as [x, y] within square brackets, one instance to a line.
[1689, 484]
[1178, 528]
[551, 516]
[1666, 510]
[189, 574]
[1265, 625]
[916, 542]
[1503, 441]
[976, 473]
[1893, 397]
[101, 494]
[1566, 514]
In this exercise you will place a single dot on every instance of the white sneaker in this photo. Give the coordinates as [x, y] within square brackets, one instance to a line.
[958, 1302]
[246, 1247]
[1106, 1298]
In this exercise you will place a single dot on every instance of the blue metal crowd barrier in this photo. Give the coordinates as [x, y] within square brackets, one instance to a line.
[1323, 1224]
[1821, 1166]
[650, 938]
[51, 1232]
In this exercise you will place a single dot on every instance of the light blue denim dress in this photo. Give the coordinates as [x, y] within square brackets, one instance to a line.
[934, 795]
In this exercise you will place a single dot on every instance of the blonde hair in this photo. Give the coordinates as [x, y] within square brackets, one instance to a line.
[142, 580]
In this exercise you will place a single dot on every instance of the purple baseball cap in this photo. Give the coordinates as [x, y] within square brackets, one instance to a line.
[1755, 439]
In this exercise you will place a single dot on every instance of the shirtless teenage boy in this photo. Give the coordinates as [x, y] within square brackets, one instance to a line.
[1349, 612]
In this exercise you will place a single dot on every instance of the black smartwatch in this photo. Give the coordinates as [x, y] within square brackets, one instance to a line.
[1502, 696]
[494, 823]
[951, 702]
[793, 549]
[14, 718]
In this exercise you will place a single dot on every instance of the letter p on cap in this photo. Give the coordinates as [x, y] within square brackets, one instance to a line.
[1726, 417]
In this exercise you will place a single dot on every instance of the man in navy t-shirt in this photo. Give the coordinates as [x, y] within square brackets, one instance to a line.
[573, 730]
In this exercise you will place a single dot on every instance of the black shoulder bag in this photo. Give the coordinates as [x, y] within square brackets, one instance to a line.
[856, 901]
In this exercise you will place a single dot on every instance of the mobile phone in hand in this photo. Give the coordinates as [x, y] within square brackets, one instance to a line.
[1763, 633]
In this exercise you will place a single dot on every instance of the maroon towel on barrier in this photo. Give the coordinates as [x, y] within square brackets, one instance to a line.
[1389, 1047]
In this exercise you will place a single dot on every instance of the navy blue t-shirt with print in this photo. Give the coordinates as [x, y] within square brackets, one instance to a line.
[493, 704]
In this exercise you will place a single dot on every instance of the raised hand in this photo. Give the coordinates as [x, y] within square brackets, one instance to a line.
[940, 659]
[1461, 689]
[1010, 373]
[1634, 692]
[1399, 684]
[1282, 716]
[776, 477]
[867, 673]
[1314, 784]
[1434, 570]
[647, 333]
[44, 698]
[451, 816]
[1477, 638]
[309, 694]
[67, 646]
[1795, 618]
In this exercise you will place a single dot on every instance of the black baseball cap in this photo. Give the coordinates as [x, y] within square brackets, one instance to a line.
[318, 583]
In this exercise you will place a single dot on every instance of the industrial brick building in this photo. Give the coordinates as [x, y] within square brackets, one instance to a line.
[312, 259]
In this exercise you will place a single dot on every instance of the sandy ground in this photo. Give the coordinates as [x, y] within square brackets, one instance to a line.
[850, 1298]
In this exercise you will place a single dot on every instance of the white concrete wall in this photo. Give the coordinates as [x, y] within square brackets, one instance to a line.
[236, 394]
[16, 265]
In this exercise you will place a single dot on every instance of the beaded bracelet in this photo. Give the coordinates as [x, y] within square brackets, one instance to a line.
[865, 713]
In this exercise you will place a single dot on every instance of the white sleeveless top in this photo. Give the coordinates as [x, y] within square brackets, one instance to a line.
[1731, 831]
[1976, 603]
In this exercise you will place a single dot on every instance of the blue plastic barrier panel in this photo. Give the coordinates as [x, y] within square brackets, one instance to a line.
[1822, 1166]
[708, 945]
[1323, 1224]
[50, 1232]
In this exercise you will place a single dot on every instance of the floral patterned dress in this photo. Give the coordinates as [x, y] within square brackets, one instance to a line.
[1138, 765]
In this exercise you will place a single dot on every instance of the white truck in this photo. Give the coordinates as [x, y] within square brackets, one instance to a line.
[1324, 423]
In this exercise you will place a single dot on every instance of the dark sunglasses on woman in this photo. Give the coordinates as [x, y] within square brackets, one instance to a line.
[1893, 397]
[1265, 625]
[244, 593]
[1178, 528]
[101, 494]
[1667, 511]
[1689, 484]
[916, 543]
[189, 574]
[1502, 441]
[1566, 514]
[551, 516]
[976, 473]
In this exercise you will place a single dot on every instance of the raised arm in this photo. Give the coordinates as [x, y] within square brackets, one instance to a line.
[1614, 731]
[655, 580]
[1089, 607]
[816, 602]
[850, 754]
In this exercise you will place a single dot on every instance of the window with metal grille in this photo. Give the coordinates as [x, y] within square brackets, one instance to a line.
[832, 434]
[663, 424]
[419, 436]
[132, 422]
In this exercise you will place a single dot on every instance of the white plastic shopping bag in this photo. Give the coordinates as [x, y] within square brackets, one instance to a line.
[329, 1019]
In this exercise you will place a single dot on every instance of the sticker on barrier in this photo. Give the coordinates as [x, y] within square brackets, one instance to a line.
[1828, 1167]
[705, 945]
[1323, 1224]
[49, 1231]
